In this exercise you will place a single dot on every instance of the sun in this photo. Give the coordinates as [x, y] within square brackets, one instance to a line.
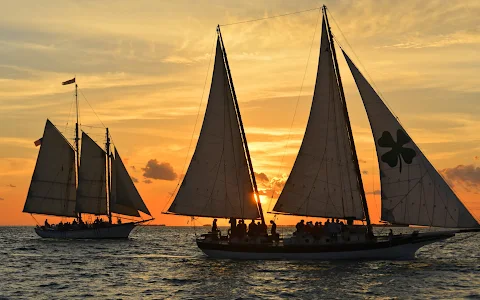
[263, 199]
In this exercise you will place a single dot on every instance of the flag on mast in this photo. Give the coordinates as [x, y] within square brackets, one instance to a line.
[69, 81]
[38, 142]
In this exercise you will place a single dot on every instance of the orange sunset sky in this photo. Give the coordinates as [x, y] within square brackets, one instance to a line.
[143, 65]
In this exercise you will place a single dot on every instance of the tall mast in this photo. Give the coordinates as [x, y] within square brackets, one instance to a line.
[239, 118]
[77, 139]
[349, 127]
[109, 189]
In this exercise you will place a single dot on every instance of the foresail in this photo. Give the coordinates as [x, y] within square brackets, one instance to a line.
[125, 197]
[323, 181]
[116, 207]
[413, 192]
[52, 189]
[217, 182]
[91, 193]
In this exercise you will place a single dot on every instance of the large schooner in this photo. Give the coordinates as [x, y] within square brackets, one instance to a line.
[325, 181]
[102, 187]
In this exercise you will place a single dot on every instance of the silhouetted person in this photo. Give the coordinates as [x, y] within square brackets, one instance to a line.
[390, 235]
[233, 227]
[46, 224]
[252, 229]
[300, 226]
[242, 228]
[119, 221]
[214, 226]
[273, 231]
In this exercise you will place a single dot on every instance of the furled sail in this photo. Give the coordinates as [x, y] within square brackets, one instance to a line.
[52, 189]
[413, 192]
[91, 193]
[217, 182]
[323, 181]
[125, 198]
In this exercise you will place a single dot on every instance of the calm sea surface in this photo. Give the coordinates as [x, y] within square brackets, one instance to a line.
[164, 262]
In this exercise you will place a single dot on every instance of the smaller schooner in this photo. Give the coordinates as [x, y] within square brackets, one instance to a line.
[102, 187]
[325, 181]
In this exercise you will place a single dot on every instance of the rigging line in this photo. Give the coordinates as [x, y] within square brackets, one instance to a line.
[272, 17]
[194, 127]
[296, 108]
[361, 64]
[92, 109]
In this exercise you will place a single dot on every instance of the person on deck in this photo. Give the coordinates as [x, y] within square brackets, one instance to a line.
[119, 221]
[390, 235]
[252, 229]
[300, 226]
[241, 229]
[46, 224]
[233, 227]
[273, 231]
[214, 226]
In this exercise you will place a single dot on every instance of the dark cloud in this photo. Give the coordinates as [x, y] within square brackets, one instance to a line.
[271, 187]
[1, 199]
[466, 176]
[375, 192]
[364, 172]
[135, 180]
[11, 185]
[475, 157]
[362, 161]
[160, 171]
[133, 168]
[261, 177]
[147, 181]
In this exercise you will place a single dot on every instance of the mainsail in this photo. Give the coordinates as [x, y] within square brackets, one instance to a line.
[413, 192]
[52, 189]
[91, 193]
[124, 197]
[217, 182]
[323, 181]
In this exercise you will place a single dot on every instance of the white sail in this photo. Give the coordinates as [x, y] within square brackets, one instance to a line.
[91, 193]
[217, 182]
[52, 189]
[323, 181]
[413, 192]
[125, 198]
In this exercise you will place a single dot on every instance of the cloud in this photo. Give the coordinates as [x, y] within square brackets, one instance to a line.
[11, 185]
[135, 180]
[261, 177]
[160, 171]
[375, 192]
[364, 172]
[147, 181]
[475, 157]
[133, 168]
[1, 199]
[362, 161]
[272, 186]
[466, 176]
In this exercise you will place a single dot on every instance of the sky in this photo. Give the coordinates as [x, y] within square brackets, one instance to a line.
[145, 68]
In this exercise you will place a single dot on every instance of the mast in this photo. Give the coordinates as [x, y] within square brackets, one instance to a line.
[349, 127]
[242, 131]
[108, 190]
[77, 139]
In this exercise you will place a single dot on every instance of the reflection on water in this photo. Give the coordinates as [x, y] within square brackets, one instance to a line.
[164, 262]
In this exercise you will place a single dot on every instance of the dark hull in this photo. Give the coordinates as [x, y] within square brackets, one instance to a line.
[114, 231]
[400, 247]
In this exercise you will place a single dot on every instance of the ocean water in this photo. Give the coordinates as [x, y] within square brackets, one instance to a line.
[164, 263]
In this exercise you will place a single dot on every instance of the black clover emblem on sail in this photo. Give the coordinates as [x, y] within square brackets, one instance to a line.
[397, 152]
